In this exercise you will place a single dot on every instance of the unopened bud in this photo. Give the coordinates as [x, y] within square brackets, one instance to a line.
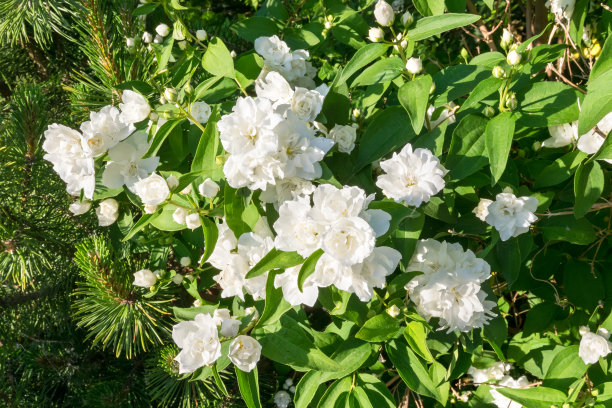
[507, 39]
[407, 19]
[376, 34]
[511, 101]
[182, 45]
[201, 35]
[488, 111]
[414, 65]
[384, 14]
[498, 72]
[393, 311]
[170, 94]
[464, 54]
[513, 58]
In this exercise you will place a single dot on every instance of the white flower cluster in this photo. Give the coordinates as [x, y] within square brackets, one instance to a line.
[593, 346]
[270, 139]
[498, 373]
[294, 66]
[561, 8]
[411, 176]
[339, 223]
[508, 382]
[508, 214]
[495, 372]
[450, 286]
[200, 344]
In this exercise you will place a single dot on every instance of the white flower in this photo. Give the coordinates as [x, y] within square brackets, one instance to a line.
[562, 135]
[412, 177]
[229, 327]
[414, 65]
[179, 215]
[447, 114]
[561, 8]
[221, 314]
[147, 37]
[198, 341]
[507, 38]
[288, 383]
[144, 278]
[306, 104]
[172, 182]
[494, 372]
[449, 287]
[231, 278]
[192, 221]
[208, 188]
[245, 352]
[79, 207]
[282, 399]
[513, 58]
[288, 188]
[344, 136]
[273, 50]
[177, 279]
[482, 209]
[134, 107]
[186, 190]
[593, 346]
[200, 111]
[152, 190]
[331, 203]
[511, 216]
[508, 382]
[407, 19]
[274, 86]
[126, 165]
[185, 261]
[292, 294]
[393, 311]
[349, 240]
[592, 141]
[226, 243]
[107, 212]
[150, 209]
[129, 42]
[296, 230]
[201, 35]
[376, 34]
[384, 14]
[104, 130]
[162, 30]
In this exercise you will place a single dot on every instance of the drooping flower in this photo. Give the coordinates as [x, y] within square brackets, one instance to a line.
[562, 135]
[198, 341]
[79, 207]
[511, 215]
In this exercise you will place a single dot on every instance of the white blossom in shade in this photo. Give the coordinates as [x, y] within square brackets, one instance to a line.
[344, 136]
[447, 114]
[561, 8]
[307, 104]
[371, 273]
[200, 111]
[274, 86]
[289, 188]
[158, 39]
[201, 35]
[104, 130]
[414, 65]
[229, 327]
[226, 243]
[384, 14]
[508, 382]
[172, 182]
[495, 372]
[152, 190]
[282, 399]
[245, 352]
[179, 215]
[144, 278]
[274, 51]
[287, 281]
[177, 279]
[107, 212]
[185, 261]
[593, 346]
[349, 240]
[126, 165]
[198, 341]
[253, 246]
[221, 314]
[376, 34]
[411, 176]
[147, 37]
[208, 188]
[296, 230]
[482, 209]
[511, 215]
[129, 42]
[592, 141]
[450, 286]
[186, 190]
[134, 107]
[193, 221]
[562, 135]
[79, 207]
[288, 383]
[162, 30]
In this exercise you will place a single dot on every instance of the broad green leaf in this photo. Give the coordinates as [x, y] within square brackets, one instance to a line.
[249, 387]
[247, 68]
[336, 394]
[348, 35]
[305, 37]
[429, 7]
[398, 213]
[379, 328]
[536, 397]
[161, 134]
[143, 221]
[567, 228]
[416, 336]
[165, 53]
[566, 367]
[467, 149]
[189, 313]
[275, 259]
[234, 206]
[405, 237]
[546, 104]
[583, 285]
[413, 96]
[481, 91]
[430, 26]
[143, 9]
[308, 268]
[498, 139]
[458, 80]
[211, 233]
[559, 170]
[164, 221]
[588, 186]
[205, 158]
[217, 59]
[540, 317]
[275, 306]
[509, 257]
[384, 70]
[252, 28]
[372, 392]
[362, 57]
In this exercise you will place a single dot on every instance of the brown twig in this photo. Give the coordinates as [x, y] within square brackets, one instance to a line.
[564, 79]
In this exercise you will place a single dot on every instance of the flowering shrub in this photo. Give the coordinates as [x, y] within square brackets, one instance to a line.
[335, 201]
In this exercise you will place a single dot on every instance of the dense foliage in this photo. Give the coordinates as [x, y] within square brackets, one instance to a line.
[306, 203]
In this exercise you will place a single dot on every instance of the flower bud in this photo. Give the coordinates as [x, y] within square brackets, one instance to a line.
[414, 65]
[376, 34]
[177, 279]
[233, 54]
[201, 35]
[328, 25]
[158, 39]
[537, 145]
[185, 261]
[186, 190]
[511, 101]
[356, 114]
[498, 72]
[144, 278]
[513, 58]
[147, 37]
[172, 182]
[488, 111]
[162, 30]
[208, 188]
[170, 94]
[384, 14]
[407, 19]
[507, 39]
[393, 311]
[197, 303]
[464, 54]
[129, 41]
[188, 88]
[192, 221]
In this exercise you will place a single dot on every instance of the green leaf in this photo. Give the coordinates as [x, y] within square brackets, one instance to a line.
[336, 394]
[458, 80]
[143, 221]
[161, 134]
[398, 213]
[540, 317]
[348, 35]
[588, 186]
[413, 96]
[509, 257]
[234, 206]
[275, 305]
[567, 228]
[481, 91]
[416, 336]
[384, 70]
[429, 7]
[566, 367]
[498, 139]
[248, 67]
[372, 392]
[308, 268]
[257, 26]
[218, 380]
[536, 397]
[583, 285]
[560, 170]
[379, 328]
[217, 59]
[211, 233]
[144, 9]
[275, 259]
[362, 57]
[205, 158]
[430, 26]
[598, 101]
[189, 313]
[249, 387]
[164, 55]
[546, 104]
[389, 130]
[467, 148]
